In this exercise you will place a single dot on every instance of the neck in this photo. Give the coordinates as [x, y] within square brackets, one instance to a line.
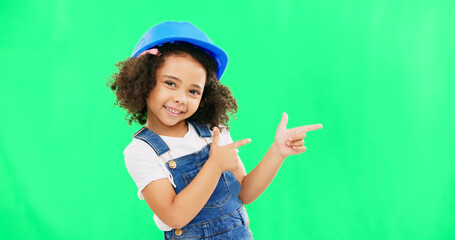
[178, 130]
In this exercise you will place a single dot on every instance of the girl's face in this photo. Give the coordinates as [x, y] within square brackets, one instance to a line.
[176, 96]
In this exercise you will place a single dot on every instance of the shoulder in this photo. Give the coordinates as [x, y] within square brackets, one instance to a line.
[139, 152]
[138, 146]
[142, 162]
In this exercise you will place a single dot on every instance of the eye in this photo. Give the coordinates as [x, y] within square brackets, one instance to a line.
[195, 92]
[169, 83]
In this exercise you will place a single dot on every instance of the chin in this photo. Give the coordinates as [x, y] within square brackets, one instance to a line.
[172, 123]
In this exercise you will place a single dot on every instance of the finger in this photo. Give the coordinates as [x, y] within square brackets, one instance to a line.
[297, 136]
[307, 128]
[299, 150]
[284, 121]
[297, 143]
[216, 137]
[240, 143]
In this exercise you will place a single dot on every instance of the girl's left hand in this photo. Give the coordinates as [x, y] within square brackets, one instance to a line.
[290, 141]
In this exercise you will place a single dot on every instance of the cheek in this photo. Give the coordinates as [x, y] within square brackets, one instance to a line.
[156, 95]
[195, 104]
[153, 101]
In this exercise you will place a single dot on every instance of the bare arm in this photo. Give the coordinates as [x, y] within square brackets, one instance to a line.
[287, 142]
[176, 210]
[255, 183]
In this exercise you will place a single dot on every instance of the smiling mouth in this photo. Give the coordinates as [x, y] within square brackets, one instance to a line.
[173, 111]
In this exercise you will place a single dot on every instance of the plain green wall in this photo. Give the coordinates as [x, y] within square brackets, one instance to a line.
[379, 75]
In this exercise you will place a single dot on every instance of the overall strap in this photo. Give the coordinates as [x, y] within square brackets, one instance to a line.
[202, 130]
[152, 139]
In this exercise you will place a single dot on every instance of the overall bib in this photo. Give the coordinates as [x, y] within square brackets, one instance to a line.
[223, 216]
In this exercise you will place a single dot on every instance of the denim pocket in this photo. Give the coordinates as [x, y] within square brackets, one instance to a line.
[220, 195]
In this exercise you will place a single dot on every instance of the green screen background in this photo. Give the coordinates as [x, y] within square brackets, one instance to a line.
[379, 75]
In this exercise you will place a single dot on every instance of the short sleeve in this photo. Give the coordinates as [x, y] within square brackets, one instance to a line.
[225, 136]
[143, 166]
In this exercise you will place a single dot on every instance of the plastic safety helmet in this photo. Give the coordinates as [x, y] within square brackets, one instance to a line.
[169, 32]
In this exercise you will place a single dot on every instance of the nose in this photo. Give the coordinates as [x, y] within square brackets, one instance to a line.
[180, 98]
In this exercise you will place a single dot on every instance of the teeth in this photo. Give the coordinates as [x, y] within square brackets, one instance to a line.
[172, 111]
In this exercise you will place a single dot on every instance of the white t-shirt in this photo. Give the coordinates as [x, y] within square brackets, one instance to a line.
[144, 166]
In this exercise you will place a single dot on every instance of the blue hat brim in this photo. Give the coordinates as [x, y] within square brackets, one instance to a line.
[220, 56]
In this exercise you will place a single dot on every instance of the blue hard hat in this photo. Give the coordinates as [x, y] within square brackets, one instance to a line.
[181, 31]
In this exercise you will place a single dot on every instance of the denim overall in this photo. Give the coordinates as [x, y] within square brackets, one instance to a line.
[223, 216]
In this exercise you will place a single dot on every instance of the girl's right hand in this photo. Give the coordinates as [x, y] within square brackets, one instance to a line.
[225, 157]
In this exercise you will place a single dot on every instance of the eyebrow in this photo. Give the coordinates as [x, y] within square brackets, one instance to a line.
[178, 79]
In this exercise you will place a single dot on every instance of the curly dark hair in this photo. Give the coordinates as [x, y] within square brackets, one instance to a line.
[136, 78]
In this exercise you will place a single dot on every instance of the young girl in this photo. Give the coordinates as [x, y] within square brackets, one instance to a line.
[183, 160]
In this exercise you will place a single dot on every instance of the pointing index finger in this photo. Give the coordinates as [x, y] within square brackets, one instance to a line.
[240, 143]
[300, 131]
[312, 127]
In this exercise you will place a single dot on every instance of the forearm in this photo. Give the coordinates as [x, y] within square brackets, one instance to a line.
[255, 183]
[189, 202]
